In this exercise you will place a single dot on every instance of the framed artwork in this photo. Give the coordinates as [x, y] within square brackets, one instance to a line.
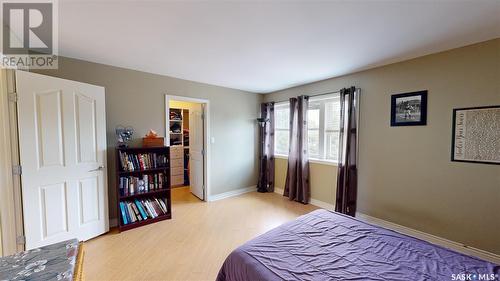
[476, 135]
[409, 109]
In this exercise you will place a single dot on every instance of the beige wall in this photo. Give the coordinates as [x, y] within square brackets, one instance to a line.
[405, 173]
[137, 99]
[323, 179]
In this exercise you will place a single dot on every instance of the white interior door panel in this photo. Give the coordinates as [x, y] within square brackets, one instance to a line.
[62, 137]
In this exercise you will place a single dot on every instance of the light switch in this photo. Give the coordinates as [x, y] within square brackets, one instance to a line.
[212, 140]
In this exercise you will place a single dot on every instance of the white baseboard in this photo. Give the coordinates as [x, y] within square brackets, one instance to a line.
[232, 193]
[456, 246]
[459, 247]
[312, 201]
[114, 222]
[279, 190]
[322, 204]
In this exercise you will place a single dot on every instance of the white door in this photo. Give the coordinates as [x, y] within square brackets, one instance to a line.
[62, 138]
[196, 150]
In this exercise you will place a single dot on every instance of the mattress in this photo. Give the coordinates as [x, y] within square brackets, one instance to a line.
[324, 245]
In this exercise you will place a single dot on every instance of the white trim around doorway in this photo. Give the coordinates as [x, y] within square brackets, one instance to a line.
[11, 220]
[206, 141]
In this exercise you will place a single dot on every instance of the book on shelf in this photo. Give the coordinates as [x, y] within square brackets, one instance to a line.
[125, 219]
[133, 185]
[130, 162]
[136, 212]
[142, 209]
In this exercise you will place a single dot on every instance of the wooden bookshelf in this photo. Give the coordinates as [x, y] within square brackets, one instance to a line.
[127, 194]
[145, 222]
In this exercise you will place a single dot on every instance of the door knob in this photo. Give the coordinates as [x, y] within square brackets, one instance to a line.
[97, 169]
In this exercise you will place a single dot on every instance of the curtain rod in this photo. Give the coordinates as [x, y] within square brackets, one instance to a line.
[315, 95]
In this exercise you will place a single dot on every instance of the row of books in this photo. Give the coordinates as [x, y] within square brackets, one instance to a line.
[142, 209]
[145, 183]
[142, 161]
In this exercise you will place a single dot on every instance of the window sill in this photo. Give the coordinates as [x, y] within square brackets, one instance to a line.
[280, 156]
[323, 162]
[312, 160]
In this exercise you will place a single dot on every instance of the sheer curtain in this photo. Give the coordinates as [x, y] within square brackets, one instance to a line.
[266, 171]
[297, 177]
[347, 178]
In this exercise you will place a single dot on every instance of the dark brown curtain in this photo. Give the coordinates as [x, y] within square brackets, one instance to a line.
[347, 178]
[266, 171]
[297, 176]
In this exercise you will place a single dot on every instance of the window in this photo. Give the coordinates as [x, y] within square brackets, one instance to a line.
[281, 128]
[332, 128]
[323, 131]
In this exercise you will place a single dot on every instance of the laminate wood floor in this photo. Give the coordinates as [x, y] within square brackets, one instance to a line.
[192, 245]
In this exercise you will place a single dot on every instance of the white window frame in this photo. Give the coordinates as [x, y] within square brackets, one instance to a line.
[322, 132]
[276, 105]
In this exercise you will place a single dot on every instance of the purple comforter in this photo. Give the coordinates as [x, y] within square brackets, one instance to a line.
[324, 245]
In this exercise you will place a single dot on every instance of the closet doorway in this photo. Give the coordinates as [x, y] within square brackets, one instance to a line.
[187, 135]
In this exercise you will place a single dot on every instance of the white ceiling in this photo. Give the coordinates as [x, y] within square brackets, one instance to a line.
[264, 46]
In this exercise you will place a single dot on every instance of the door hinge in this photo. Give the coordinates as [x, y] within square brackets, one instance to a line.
[21, 239]
[13, 97]
[203, 152]
[17, 170]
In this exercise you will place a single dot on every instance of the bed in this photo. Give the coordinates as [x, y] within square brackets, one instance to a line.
[324, 245]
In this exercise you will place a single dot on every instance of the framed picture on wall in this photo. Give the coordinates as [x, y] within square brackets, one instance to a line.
[409, 109]
[476, 135]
